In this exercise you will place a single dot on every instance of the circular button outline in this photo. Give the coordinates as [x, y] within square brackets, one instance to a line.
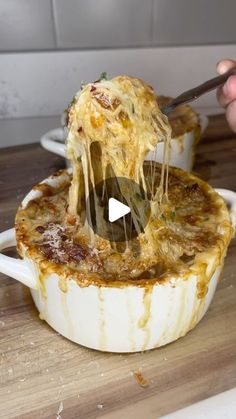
[126, 191]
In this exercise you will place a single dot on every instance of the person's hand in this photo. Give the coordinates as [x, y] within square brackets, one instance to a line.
[226, 94]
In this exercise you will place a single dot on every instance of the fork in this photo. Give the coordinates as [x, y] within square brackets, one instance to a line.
[198, 91]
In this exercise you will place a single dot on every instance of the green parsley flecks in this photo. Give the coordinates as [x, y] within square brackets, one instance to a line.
[103, 76]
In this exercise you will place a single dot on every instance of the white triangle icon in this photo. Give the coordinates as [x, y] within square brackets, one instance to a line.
[116, 209]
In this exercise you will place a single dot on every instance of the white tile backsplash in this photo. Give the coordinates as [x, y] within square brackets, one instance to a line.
[103, 23]
[45, 83]
[80, 24]
[189, 22]
[26, 24]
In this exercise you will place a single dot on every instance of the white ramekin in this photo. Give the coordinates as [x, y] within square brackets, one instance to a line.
[182, 149]
[112, 318]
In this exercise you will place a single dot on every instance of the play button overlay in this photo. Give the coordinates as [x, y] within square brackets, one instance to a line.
[118, 209]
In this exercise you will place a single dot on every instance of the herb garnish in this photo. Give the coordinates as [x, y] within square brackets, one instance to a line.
[173, 214]
[103, 76]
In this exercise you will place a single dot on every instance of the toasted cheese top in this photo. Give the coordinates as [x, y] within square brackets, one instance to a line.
[191, 237]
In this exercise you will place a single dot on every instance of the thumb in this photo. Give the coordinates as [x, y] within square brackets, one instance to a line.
[225, 65]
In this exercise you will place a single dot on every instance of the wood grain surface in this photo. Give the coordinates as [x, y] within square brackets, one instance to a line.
[43, 375]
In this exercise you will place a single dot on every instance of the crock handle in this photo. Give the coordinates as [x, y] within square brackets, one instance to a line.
[50, 141]
[230, 198]
[22, 270]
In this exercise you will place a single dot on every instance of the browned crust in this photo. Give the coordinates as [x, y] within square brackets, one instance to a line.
[48, 267]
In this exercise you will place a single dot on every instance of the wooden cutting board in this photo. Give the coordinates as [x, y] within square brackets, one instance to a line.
[44, 375]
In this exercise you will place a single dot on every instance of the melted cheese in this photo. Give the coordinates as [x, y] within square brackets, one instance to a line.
[182, 119]
[112, 126]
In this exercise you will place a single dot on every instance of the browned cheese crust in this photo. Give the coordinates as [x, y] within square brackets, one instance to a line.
[193, 227]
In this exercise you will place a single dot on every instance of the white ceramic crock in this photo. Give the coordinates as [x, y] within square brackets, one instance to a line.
[113, 319]
[180, 156]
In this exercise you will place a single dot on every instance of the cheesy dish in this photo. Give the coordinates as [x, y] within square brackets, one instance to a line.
[112, 125]
[182, 119]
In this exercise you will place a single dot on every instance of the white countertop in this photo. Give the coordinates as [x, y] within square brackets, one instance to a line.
[221, 406]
